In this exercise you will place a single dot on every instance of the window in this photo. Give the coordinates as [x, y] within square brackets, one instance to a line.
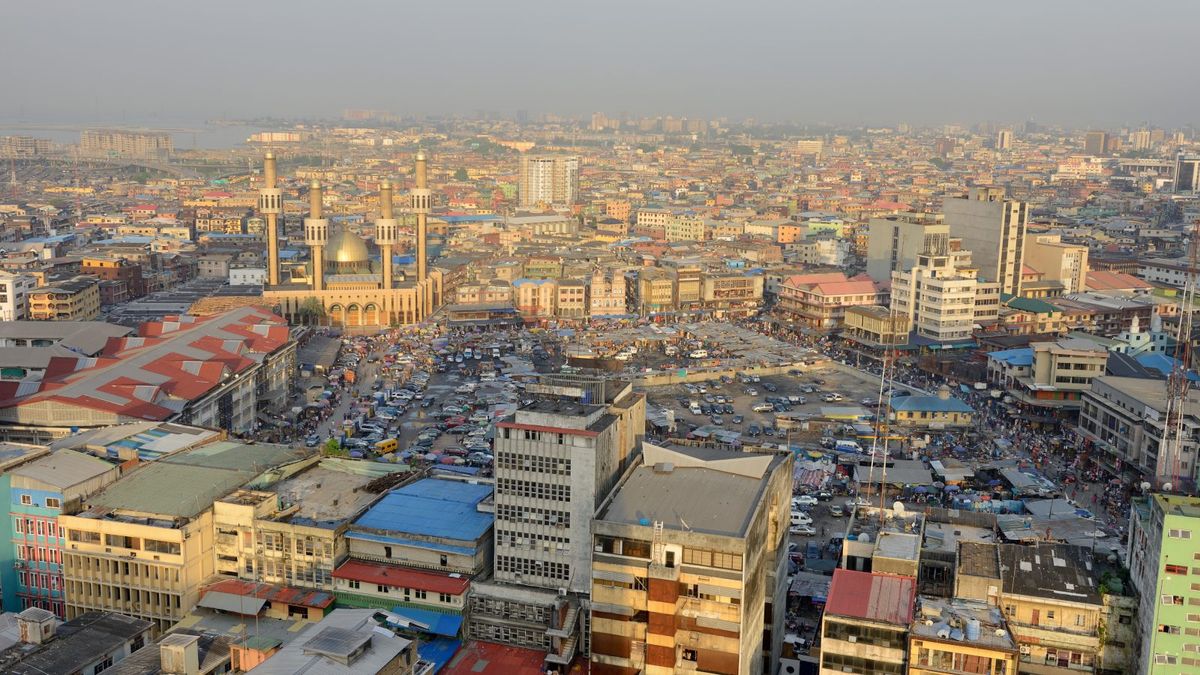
[444, 597]
[1168, 629]
[353, 583]
[19, 526]
[419, 594]
[1172, 599]
[1050, 615]
[689, 655]
[387, 551]
[442, 560]
[1079, 619]
[382, 589]
[1179, 534]
[53, 503]
[26, 500]
[1176, 569]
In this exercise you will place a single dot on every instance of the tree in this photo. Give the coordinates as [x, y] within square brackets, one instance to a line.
[311, 310]
[333, 448]
[461, 174]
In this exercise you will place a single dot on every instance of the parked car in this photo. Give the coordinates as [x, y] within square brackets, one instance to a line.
[804, 500]
[803, 530]
[836, 510]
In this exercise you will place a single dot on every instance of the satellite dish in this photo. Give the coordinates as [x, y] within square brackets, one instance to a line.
[898, 508]
[1145, 485]
[1167, 487]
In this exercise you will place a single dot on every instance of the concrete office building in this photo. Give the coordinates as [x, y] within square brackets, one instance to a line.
[1095, 143]
[1125, 420]
[144, 546]
[556, 460]
[132, 144]
[1058, 261]
[548, 180]
[993, 229]
[894, 243]
[1004, 139]
[1187, 174]
[1164, 546]
[689, 568]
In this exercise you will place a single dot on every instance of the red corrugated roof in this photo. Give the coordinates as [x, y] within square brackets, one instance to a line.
[292, 596]
[869, 595]
[399, 577]
[486, 658]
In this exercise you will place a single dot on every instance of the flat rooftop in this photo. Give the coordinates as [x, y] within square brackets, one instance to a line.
[330, 492]
[186, 483]
[949, 618]
[692, 489]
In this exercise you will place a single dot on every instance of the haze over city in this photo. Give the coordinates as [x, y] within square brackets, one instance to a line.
[1075, 63]
[622, 338]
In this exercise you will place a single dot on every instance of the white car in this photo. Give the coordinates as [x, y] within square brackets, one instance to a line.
[801, 518]
[803, 530]
[804, 500]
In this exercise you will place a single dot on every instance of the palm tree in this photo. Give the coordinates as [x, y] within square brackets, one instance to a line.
[311, 311]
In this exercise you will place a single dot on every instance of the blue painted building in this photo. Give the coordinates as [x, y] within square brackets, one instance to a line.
[37, 490]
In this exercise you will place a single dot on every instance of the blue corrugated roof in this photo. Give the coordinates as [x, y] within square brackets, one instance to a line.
[1022, 356]
[434, 508]
[439, 623]
[404, 541]
[438, 651]
[1163, 364]
[929, 404]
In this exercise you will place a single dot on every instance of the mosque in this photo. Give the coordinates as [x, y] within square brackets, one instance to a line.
[342, 285]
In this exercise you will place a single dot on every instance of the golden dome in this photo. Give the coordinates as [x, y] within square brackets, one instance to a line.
[345, 246]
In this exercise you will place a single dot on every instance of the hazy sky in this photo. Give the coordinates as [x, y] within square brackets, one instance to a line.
[1075, 62]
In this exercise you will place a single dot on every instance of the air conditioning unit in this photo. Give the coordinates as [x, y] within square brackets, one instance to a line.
[851, 638]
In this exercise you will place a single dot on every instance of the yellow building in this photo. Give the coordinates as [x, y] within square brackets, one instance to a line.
[935, 412]
[76, 299]
[144, 546]
[876, 326]
[342, 285]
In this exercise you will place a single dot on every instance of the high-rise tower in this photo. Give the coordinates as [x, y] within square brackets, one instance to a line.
[316, 234]
[385, 231]
[270, 204]
[421, 198]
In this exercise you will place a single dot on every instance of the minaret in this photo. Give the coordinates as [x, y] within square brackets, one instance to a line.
[316, 234]
[386, 230]
[421, 197]
[270, 204]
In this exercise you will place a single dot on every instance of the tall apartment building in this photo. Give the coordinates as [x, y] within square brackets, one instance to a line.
[993, 229]
[1162, 558]
[1096, 143]
[1058, 260]
[1187, 173]
[893, 243]
[689, 569]
[942, 297]
[1004, 139]
[23, 146]
[556, 460]
[113, 143]
[14, 295]
[546, 179]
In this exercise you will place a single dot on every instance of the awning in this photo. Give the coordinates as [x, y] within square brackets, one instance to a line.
[234, 604]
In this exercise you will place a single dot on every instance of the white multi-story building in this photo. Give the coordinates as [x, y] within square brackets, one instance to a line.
[556, 460]
[993, 229]
[14, 295]
[546, 179]
[942, 297]
[607, 296]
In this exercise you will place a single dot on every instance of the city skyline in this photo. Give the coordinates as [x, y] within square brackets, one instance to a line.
[935, 63]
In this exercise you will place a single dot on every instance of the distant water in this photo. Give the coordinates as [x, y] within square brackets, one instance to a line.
[187, 136]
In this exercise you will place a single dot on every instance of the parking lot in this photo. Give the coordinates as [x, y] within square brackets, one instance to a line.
[738, 399]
